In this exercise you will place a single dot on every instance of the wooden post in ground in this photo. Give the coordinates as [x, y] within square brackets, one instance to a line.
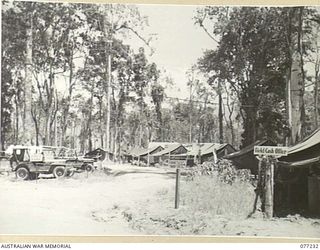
[258, 189]
[271, 154]
[177, 193]
[269, 189]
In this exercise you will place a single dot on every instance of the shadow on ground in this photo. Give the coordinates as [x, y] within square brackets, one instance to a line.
[121, 173]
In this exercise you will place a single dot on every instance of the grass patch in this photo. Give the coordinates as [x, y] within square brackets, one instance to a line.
[209, 195]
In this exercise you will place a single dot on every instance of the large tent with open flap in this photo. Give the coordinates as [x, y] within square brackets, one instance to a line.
[298, 175]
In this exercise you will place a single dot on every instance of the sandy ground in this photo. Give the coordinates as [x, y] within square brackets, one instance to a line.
[72, 206]
[127, 200]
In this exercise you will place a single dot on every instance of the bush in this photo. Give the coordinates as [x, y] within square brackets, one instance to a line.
[224, 169]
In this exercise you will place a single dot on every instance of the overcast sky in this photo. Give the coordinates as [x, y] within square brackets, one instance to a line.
[179, 42]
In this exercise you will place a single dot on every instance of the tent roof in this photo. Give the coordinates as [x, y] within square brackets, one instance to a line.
[217, 147]
[308, 142]
[150, 150]
[206, 148]
[300, 163]
[249, 148]
[136, 151]
[304, 151]
[162, 144]
[143, 151]
[168, 149]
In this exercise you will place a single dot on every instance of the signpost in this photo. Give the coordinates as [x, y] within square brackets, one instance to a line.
[177, 191]
[271, 151]
[268, 154]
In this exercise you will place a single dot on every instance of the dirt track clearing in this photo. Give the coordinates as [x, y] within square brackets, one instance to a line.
[127, 201]
[71, 206]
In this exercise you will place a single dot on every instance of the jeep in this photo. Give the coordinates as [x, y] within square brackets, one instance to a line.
[30, 161]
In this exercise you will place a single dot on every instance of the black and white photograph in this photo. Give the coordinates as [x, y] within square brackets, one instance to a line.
[159, 120]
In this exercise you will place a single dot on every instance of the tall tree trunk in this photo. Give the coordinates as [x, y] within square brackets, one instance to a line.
[100, 121]
[115, 145]
[316, 98]
[297, 82]
[316, 82]
[16, 130]
[28, 122]
[36, 124]
[66, 108]
[190, 115]
[107, 30]
[220, 115]
[47, 128]
[90, 119]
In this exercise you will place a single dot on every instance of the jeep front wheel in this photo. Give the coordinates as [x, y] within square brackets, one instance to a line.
[59, 172]
[22, 173]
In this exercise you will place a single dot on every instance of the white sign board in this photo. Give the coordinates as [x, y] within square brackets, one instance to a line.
[270, 150]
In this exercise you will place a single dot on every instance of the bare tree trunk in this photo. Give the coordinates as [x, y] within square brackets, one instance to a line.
[36, 124]
[190, 115]
[47, 128]
[115, 145]
[107, 29]
[316, 81]
[66, 108]
[16, 131]
[230, 123]
[90, 119]
[316, 98]
[28, 122]
[220, 115]
[55, 120]
[73, 134]
[100, 121]
[297, 83]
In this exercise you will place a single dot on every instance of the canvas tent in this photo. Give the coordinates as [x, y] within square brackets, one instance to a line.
[205, 152]
[168, 152]
[245, 159]
[298, 176]
[220, 150]
[304, 153]
[146, 155]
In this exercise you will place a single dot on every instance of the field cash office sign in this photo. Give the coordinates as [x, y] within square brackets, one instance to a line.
[270, 150]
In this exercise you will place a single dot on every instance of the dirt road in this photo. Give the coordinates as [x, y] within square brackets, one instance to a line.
[126, 200]
[90, 205]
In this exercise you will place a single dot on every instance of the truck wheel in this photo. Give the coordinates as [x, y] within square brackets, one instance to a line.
[88, 168]
[59, 172]
[22, 173]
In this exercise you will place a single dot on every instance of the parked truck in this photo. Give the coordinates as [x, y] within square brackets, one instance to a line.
[71, 156]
